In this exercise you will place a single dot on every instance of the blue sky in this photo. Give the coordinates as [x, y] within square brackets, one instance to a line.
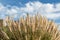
[17, 2]
[16, 8]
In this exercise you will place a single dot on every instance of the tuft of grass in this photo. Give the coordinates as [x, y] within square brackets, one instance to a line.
[30, 28]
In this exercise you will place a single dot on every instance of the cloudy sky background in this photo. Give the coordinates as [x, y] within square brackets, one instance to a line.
[16, 8]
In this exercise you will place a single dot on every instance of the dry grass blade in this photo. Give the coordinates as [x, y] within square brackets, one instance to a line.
[30, 28]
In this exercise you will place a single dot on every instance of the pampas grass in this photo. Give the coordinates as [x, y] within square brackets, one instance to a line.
[30, 28]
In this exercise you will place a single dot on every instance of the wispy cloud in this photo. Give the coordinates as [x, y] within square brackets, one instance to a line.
[51, 11]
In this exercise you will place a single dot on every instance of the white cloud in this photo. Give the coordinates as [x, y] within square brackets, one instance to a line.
[47, 10]
[52, 16]
[4, 10]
